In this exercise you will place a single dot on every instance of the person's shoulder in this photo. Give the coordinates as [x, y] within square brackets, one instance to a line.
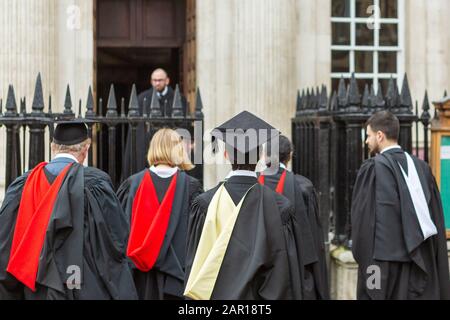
[19, 182]
[193, 182]
[204, 199]
[368, 165]
[145, 93]
[93, 176]
[305, 184]
[425, 166]
[190, 178]
[371, 161]
[420, 162]
[170, 90]
[22, 178]
[137, 176]
[304, 180]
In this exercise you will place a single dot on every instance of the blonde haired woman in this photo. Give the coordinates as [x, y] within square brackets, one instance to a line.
[156, 202]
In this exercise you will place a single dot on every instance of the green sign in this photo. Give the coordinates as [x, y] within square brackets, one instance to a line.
[445, 178]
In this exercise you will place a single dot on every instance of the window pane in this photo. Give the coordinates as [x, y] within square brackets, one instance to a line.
[387, 62]
[364, 36]
[340, 61]
[341, 33]
[363, 61]
[362, 84]
[388, 35]
[340, 8]
[362, 7]
[389, 8]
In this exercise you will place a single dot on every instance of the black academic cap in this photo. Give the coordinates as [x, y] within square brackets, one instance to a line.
[245, 132]
[70, 132]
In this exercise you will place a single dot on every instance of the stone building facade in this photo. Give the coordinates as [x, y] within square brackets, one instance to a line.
[247, 54]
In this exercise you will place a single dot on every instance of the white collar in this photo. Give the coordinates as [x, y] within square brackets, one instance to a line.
[241, 173]
[390, 148]
[65, 155]
[162, 94]
[418, 199]
[283, 166]
[163, 172]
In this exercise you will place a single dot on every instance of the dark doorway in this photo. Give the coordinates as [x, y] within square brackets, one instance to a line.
[134, 37]
[124, 67]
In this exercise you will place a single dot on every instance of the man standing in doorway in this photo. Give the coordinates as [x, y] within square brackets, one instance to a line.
[160, 82]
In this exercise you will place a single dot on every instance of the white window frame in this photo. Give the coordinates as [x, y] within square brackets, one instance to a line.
[375, 76]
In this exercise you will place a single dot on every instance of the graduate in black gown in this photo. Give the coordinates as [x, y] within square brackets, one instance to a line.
[156, 202]
[160, 82]
[241, 244]
[398, 233]
[62, 230]
[301, 193]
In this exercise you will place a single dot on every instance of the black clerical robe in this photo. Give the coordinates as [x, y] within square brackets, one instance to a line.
[82, 255]
[386, 233]
[311, 249]
[143, 136]
[260, 259]
[165, 280]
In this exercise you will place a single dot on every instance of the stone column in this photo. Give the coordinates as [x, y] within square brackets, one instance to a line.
[27, 34]
[54, 37]
[313, 43]
[75, 49]
[427, 47]
[246, 61]
[35, 36]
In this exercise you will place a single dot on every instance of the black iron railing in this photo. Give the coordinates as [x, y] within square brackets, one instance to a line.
[107, 127]
[329, 141]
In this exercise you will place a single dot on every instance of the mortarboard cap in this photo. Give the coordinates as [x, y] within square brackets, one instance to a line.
[245, 132]
[70, 132]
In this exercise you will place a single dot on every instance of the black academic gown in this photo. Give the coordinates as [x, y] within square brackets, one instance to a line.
[311, 249]
[143, 136]
[386, 233]
[87, 229]
[261, 253]
[165, 101]
[166, 279]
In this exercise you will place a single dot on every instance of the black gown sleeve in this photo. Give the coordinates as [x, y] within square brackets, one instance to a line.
[281, 279]
[292, 241]
[10, 288]
[108, 230]
[123, 195]
[197, 216]
[363, 219]
[318, 270]
[195, 189]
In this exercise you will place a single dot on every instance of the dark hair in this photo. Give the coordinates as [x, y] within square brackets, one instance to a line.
[385, 122]
[240, 161]
[285, 149]
[248, 167]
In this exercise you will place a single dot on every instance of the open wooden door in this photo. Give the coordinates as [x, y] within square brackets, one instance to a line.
[189, 54]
